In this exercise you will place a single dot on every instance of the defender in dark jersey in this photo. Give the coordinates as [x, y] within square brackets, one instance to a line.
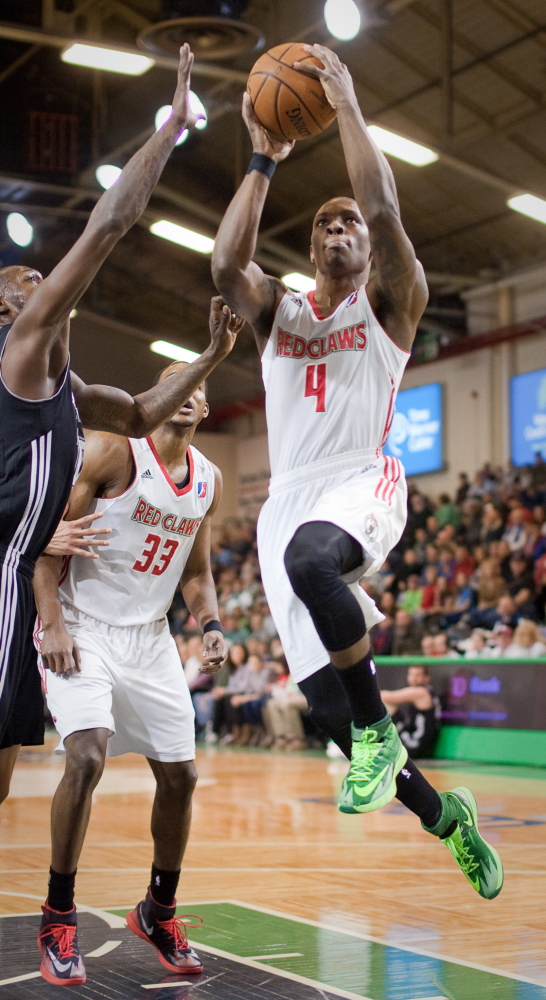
[39, 438]
[415, 711]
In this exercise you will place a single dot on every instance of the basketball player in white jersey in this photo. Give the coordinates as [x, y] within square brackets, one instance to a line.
[332, 363]
[115, 683]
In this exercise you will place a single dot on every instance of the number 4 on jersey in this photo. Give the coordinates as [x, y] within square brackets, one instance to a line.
[315, 385]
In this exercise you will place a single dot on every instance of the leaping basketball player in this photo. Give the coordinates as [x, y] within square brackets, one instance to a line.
[115, 682]
[332, 363]
[39, 452]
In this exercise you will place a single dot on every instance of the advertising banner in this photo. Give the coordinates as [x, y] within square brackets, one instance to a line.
[528, 416]
[416, 436]
[498, 694]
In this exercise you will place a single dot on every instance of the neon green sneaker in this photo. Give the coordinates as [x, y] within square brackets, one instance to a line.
[376, 758]
[475, 857]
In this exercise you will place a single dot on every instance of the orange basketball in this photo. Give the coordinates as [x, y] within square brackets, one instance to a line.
[288, 102]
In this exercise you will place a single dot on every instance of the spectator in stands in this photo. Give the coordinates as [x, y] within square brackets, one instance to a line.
[492, 527]
[382, 637]
[527, 642]
[462, 489]
[412, 597]
[440, 647]
[282, 715]
[246, 705]
[520, 585]
[415, 711]
[446, 512]
[476, 646]
[407, 634]
[418, 514]
[514, 533]
[491, 585]
[235, 628]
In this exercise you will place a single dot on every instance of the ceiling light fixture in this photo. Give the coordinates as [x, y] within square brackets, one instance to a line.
[184, 237]
[19, 229]
[342, 18]
[299, 282]
[197, 107]
[173, 351]
[529, 204]
[107, 174]
[113, 60]
[403, 149]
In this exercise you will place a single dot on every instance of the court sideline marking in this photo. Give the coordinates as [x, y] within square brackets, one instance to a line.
[388, 944]
[113, 920]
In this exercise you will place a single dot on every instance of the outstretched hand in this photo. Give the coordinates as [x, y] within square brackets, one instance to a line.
[262, 141]
[74, 538]
[181, 100]
[224, 326]
[333, 75]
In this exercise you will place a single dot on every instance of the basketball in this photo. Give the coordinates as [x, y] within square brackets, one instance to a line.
[288, 102]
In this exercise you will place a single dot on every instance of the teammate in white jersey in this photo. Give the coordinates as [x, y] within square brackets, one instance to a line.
[115, 683]
[332, 363]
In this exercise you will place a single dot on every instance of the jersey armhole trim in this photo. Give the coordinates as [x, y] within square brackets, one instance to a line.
[382, 328]
[174, 488]
[35, 402]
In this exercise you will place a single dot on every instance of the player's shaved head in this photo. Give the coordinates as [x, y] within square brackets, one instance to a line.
[17, 282]
[174, 367]
[335, 204]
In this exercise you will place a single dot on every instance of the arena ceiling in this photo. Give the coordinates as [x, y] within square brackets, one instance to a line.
[465, 77]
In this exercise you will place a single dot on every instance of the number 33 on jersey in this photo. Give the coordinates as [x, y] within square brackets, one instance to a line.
[153, 524]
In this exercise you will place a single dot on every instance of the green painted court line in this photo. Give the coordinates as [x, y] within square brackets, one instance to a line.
[346, 963]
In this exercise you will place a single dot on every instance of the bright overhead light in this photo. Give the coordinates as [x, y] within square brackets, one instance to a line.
[173, 351]
[73, 313]
[342, 18]
[404, 149]
[19, 229]
[299, 282]
[162, 116]
[107, 174]
[184, 237]
[197, 107]
[529, 204]
[113, 60]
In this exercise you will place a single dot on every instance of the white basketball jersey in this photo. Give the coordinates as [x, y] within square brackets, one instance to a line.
[153, 529]
[330, 383]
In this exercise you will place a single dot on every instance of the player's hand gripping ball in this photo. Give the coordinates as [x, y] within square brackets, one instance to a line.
[290, 103]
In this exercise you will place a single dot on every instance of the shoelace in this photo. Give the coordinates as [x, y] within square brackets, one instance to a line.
[64, 936]
[363, 756]
[459, 850]
[173, 927]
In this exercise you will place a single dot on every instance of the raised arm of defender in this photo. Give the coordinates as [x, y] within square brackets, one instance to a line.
[398, 291]
[104, 408]
[38, 354]
[250, 293]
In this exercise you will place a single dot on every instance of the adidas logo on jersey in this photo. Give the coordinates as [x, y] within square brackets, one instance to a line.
[147, 474]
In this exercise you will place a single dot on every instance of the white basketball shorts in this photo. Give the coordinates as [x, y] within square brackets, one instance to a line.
[131, 683]
[362, 493]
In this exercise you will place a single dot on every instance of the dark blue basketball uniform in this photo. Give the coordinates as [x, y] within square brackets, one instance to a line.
[40, 456]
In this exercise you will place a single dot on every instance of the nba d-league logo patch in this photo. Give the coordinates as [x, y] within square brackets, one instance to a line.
[201, 489]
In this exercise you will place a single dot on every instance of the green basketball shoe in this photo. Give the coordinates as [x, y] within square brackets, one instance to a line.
[478, 861]
[376, 758]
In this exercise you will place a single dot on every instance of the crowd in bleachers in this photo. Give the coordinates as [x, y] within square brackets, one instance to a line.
[468, 579]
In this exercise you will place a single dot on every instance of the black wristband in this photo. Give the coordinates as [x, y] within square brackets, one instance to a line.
[213, 626]
[263, 164]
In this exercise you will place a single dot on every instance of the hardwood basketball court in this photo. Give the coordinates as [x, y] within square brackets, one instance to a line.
[298, 900]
